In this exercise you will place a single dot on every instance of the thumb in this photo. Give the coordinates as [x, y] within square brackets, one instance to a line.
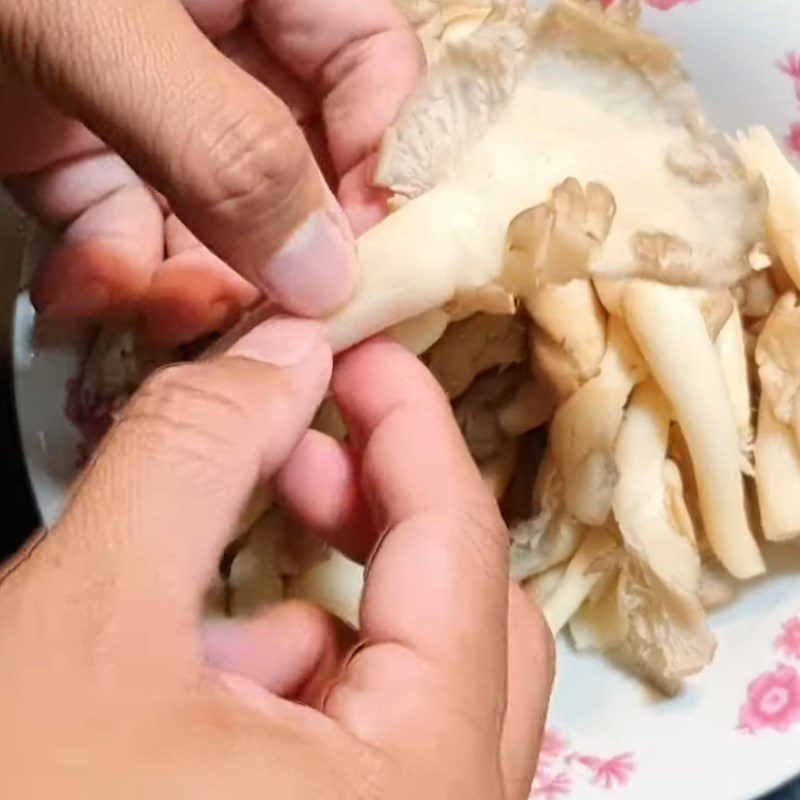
[225, 152]
[154, 510]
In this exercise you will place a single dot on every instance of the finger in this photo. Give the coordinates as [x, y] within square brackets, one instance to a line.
[180, 467]
[247, 50]
[34, 134]
[216, 18]
[362, 56]
[292, 649]
[193, 292]
[113, 235]
[319, 486]
[531, 660]
[436, 594]
[224, 151]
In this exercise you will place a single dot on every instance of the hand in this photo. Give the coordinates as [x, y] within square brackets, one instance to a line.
[217, 130]
[109, 685]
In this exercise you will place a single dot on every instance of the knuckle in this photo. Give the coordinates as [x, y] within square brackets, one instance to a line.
[19, 35]
[255, 164]
[180, 388]
[191, 413]
[484, 531]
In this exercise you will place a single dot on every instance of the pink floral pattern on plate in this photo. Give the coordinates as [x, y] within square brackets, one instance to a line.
[790, 67]
[773, 698]
[666, 5]
[773, 701]
[563, 771]
[661, 5]
[789, 640]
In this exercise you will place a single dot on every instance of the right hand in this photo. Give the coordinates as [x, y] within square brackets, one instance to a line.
[217, 129]
[104, 686]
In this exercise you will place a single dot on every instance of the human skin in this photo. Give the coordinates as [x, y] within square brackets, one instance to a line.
[197, 187]
[110, 684]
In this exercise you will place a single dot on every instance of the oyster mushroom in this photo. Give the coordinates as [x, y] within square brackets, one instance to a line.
[778, 360]
[733, 359]
[552, 366]
[556, 242]
[274, 550]
[333, 582]
[420, 333]
[531, 406]
[777, 452]
[580, 577]
[640, 502]
[598, 626]
[473, 346]
[585, 428]
[777, 471]
[672, 335]
[571, 316]
[498, 470]
[763, 157]
[541, 587]
[667, 630]
[491, 299]
[476, 412]
[501, 120]
[552, 534]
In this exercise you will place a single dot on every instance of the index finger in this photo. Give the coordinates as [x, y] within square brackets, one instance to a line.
[437, 587]
[361, 56]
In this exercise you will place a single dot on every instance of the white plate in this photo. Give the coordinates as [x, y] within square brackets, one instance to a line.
[735, 733]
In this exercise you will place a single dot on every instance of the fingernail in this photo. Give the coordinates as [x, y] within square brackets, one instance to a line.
[81, 302]
[282, 341]
[315, 272]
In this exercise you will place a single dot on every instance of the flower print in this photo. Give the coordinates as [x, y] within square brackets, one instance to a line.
[610, 772]
[773, 701]
[791, 66]
[552, 788]
[789, 640]
[661, 5]
[554, 745]
[666, 5]
[793, 139]
[564, 772]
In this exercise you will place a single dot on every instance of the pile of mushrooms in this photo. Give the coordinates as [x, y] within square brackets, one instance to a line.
[607, 291]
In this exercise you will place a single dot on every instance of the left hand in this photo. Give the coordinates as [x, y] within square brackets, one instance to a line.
[343, 69]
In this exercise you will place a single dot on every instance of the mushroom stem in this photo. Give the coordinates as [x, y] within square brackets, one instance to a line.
[335, 583]
[672, 335]
[762, 156]
[578, 580]
[417, 259]
[584, 429]
[777, 476]
[640, 496]
[733, 358]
